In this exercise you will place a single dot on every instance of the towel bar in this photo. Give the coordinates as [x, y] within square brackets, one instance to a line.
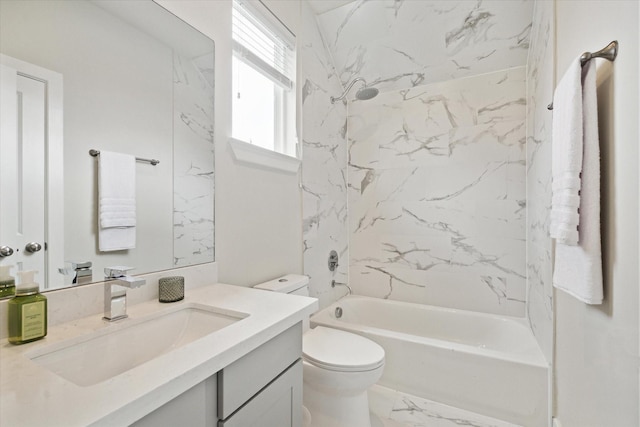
[608, 52]
[153, 162]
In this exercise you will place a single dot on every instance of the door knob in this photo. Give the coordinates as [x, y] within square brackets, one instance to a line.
[5, 251]
[33, 247]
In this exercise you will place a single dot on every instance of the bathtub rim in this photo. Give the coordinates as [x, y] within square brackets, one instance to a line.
[532, 358]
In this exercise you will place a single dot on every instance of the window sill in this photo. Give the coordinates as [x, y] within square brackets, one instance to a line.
[252, 154]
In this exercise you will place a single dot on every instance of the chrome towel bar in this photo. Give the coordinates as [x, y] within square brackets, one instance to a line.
[153, 162]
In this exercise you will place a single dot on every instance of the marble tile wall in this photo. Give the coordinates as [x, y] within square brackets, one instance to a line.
[437, 194]
[324, 165]
[193, 161]
[401, 44]
[540, 76]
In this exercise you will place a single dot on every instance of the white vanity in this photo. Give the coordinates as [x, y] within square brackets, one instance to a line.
[245, 370]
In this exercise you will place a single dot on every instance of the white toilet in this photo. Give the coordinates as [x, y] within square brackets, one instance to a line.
[338, 367]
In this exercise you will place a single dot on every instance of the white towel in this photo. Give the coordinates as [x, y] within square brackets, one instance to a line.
[566, 156]
[116, 212]
[578, 269]
[117, 201]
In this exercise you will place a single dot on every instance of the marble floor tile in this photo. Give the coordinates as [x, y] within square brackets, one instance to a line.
[391, 408]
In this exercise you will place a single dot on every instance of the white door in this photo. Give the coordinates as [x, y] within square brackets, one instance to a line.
[22, 171]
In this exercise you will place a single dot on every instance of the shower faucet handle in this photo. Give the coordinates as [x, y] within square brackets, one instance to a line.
[333, 260]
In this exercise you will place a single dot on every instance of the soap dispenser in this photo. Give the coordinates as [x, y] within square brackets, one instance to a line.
[27, 311]
[7, 282]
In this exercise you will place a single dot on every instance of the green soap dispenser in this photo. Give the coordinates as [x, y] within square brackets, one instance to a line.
[27, 311]
[7, 282]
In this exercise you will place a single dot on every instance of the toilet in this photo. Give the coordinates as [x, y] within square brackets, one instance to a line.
[338, 367]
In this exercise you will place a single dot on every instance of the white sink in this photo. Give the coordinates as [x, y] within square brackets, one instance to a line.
[98, 356]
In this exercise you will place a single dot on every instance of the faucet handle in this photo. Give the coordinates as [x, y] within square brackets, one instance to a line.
[116, 271]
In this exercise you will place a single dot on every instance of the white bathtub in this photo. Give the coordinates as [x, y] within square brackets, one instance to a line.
[485, 363]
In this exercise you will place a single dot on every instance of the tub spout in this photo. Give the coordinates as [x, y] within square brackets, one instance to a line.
[334, 284]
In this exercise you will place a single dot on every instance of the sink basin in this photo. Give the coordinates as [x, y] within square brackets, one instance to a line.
[98, 356]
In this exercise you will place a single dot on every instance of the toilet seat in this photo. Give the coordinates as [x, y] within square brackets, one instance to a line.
[341, 351]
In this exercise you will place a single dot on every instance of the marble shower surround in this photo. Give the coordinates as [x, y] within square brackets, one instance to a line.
[539, 92]
[401, 44]
[324, 165]
[437, 194]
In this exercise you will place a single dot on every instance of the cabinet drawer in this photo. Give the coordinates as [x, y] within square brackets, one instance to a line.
[277, 405]
[245, 377]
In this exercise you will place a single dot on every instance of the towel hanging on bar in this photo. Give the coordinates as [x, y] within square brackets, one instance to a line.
[153, 162]
[610, 52]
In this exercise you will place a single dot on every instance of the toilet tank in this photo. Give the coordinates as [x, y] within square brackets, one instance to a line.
[295, 284]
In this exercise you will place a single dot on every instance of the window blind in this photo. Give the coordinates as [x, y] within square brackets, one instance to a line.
[263, 42]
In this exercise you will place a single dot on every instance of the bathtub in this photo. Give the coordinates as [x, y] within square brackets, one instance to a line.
[484, 363]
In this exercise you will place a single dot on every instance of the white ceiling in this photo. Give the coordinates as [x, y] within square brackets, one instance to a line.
[321, 6]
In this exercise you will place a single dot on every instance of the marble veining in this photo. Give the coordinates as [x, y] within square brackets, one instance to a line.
[193, 154]
[402, 44]
[540, 92]
[324, 166]
[397, 409]
[437, 190]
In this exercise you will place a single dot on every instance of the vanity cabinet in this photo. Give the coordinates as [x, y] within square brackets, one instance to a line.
[261, 389]
[195, 407]
[277, 405]
[264, 387]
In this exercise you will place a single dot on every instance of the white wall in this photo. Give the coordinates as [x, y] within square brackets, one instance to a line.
[258, 211]
[596, 354]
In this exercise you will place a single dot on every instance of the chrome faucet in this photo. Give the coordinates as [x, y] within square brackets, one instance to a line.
[115, 291]
[76, 272]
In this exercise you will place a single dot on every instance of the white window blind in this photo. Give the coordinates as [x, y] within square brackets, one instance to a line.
[263, 42]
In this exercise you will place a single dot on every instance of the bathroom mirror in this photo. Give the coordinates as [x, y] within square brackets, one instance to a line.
[122, 76]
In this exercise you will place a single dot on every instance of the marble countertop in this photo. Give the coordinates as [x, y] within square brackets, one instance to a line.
[31, 395]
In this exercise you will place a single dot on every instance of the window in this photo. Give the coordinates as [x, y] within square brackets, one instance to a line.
[264, 67]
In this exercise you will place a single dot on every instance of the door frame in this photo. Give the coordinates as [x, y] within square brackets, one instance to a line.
[54, 161]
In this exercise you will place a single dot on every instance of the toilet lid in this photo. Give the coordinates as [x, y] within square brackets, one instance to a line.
[341, 351]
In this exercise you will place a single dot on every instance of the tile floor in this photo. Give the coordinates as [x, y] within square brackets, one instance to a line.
[396, 409]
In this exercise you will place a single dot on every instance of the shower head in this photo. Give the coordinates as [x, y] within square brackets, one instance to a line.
[363, 94]
[366, 93]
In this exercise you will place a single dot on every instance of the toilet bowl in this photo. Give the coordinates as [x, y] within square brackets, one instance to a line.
[338, 367]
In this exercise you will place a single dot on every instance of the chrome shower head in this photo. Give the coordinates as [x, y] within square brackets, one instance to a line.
[367, 93]
[363, 94]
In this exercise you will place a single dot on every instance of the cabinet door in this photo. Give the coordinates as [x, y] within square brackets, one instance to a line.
[277, 405]
[194, 408]
[245, 377]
